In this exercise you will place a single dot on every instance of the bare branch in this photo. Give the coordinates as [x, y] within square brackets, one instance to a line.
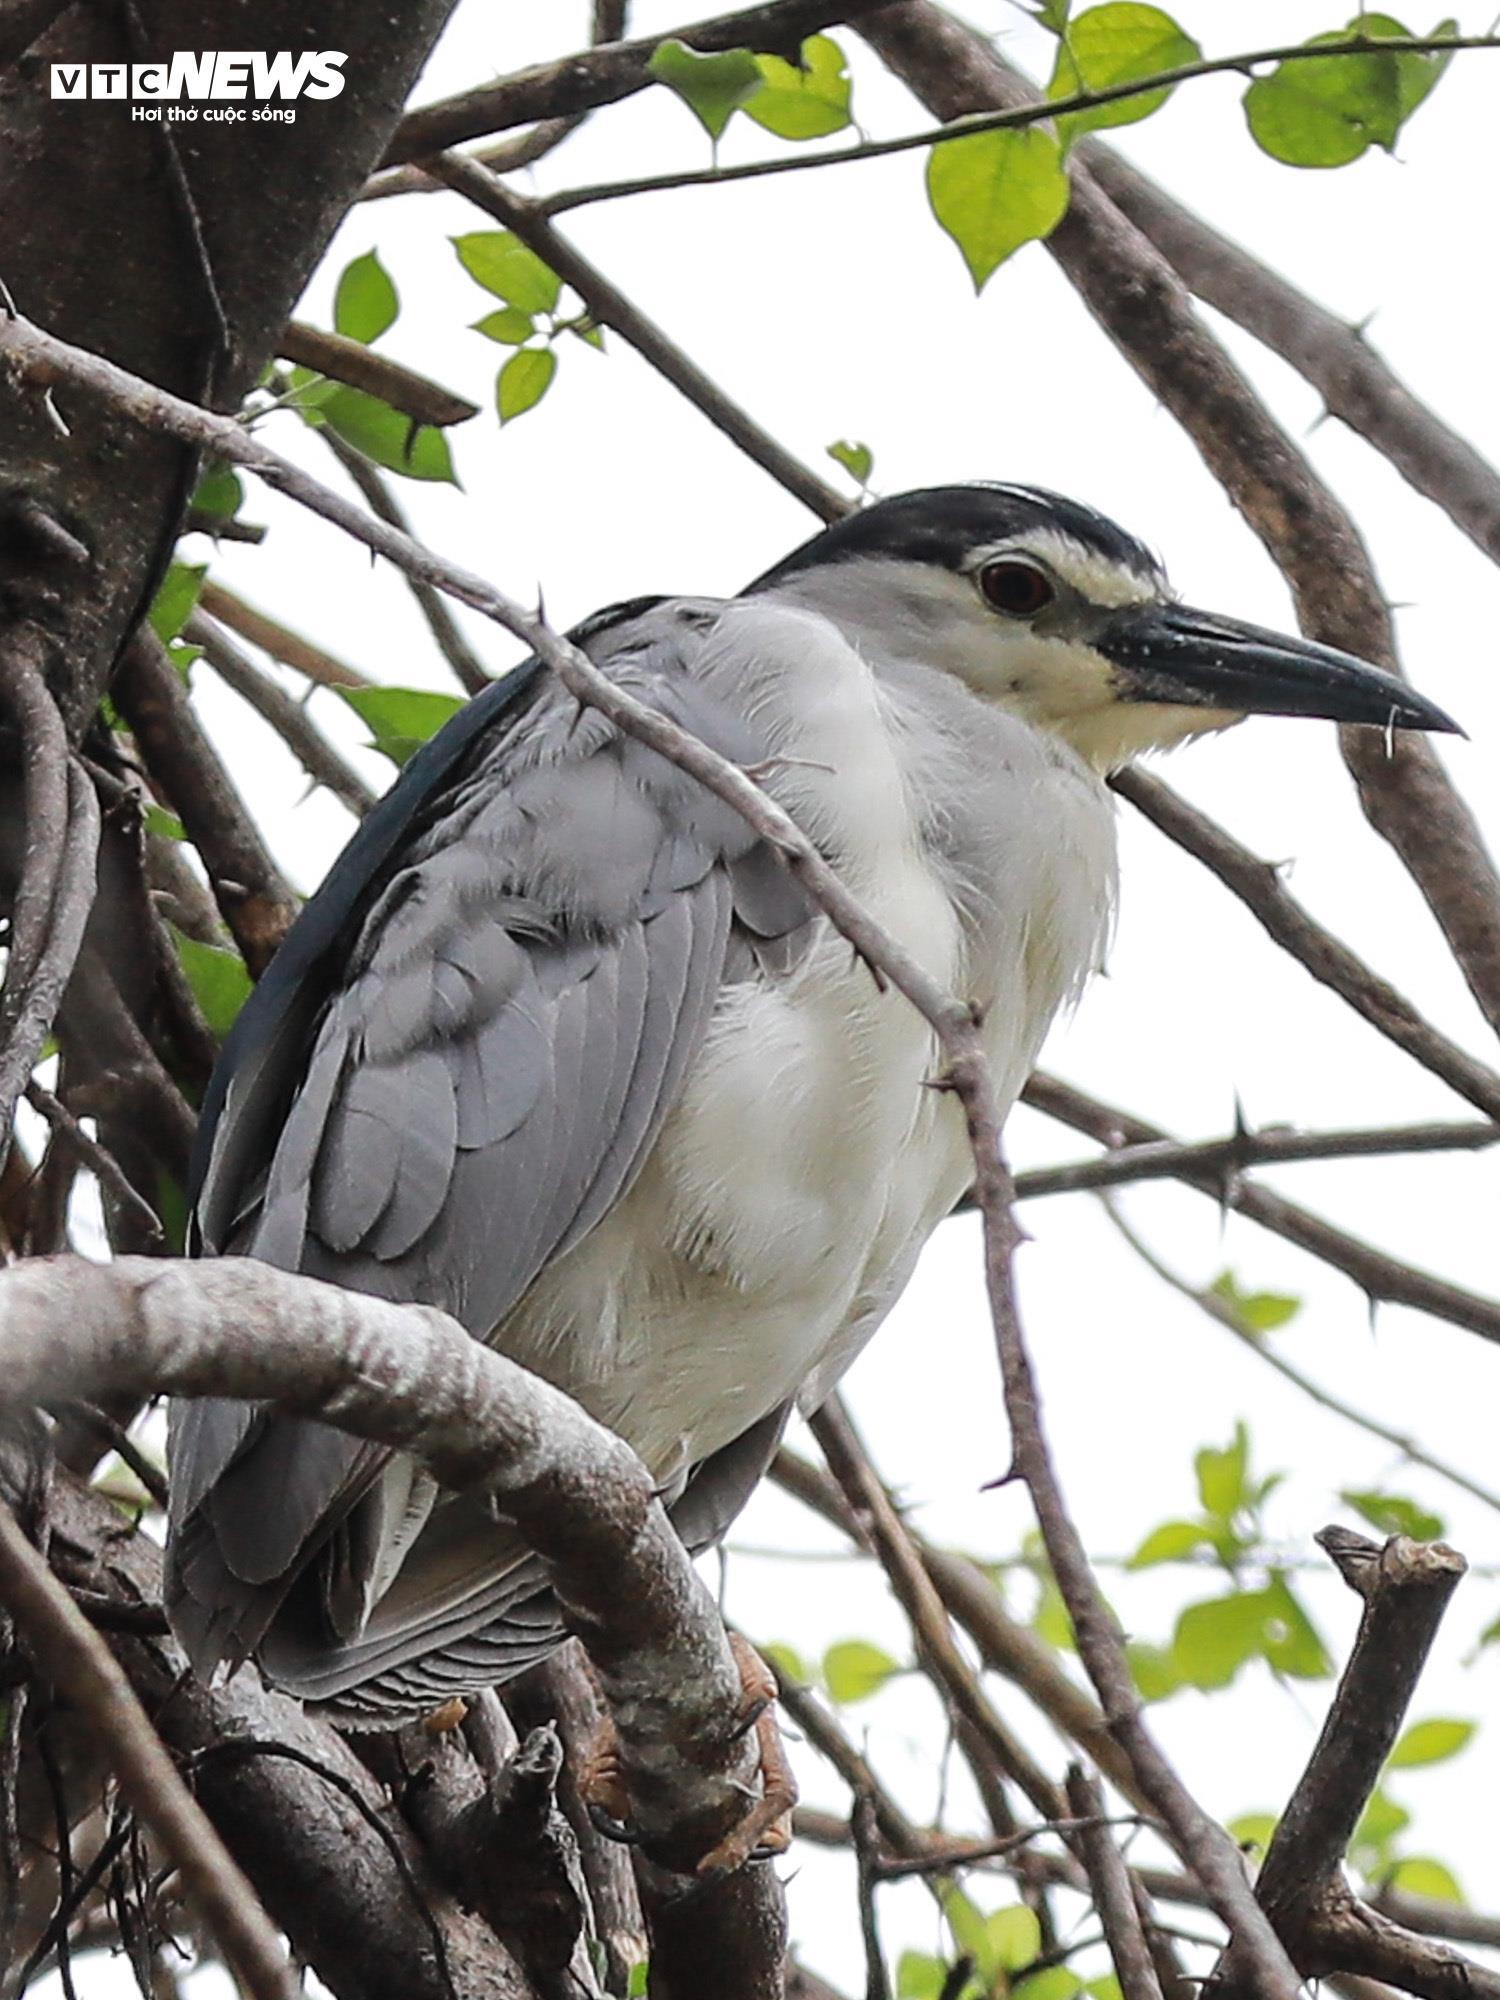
[1260, 888]
[1114, 1899]
[1358, 386]
[345, 360]
[288, 718]
[276, 639]
[411, 1377]
[73, 1657]
[610, 307]
[1146, 310]
[1405, 1587]
[473, 675]
[100, 1162]
[1273, 1146]
[254, 897]
[1379, 1275]
[1221, 1310]
[604, 75]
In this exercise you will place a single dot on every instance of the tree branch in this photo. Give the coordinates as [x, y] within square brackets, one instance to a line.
[584, 81]
[288, 718]
[1405, 1587]
[276, 639]
[610, 307]
[1143, 306]
[345, 360]
[1260, 888]
[1357, 384]
[81, 1667]
[1379, 1275]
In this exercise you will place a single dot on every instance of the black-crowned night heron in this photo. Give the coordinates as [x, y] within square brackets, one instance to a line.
[559, 1047]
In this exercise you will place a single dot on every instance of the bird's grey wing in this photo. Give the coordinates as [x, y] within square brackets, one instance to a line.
[530, 971]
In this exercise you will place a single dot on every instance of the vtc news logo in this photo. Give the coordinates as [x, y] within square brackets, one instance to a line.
[211, 77]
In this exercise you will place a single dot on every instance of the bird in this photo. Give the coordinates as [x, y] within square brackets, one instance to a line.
[562, 1048]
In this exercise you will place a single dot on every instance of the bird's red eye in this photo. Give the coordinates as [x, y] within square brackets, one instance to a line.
[1018, 588]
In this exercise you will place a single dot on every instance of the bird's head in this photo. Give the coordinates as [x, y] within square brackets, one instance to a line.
[1050, 610]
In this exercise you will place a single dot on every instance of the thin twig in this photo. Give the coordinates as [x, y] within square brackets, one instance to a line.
[78, 1663]
[1222, 1311]
[1379, 1275]
[291, 721]
[473, 676]
[609, 306]
[1273, 1146]
[100, 1162]
[278, 640]
[1009, 120]
[351, 361]
[1260, 888]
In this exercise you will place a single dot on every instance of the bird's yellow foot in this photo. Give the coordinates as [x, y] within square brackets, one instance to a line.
[765, 1830]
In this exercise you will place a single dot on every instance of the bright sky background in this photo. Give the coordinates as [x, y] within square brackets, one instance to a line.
[830, 306]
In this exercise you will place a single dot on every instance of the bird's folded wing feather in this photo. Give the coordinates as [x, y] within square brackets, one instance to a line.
[464, 1079]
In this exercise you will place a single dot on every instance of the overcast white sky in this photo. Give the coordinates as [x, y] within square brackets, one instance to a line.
[830, 305]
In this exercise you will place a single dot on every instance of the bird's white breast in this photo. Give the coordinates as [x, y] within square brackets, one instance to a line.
[808, 1159]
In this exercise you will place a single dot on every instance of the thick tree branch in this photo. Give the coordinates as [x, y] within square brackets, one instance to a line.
[1357, 384]
[409, 1376]
[1405, 1587]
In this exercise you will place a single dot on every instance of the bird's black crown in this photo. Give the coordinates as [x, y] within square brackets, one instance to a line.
[943, 525]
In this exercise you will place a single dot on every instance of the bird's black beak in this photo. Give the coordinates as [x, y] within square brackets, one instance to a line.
[1170, 653]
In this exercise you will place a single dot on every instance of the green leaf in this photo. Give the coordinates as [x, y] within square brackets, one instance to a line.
[168, 825]
[1170, 1543]
[1430, 1743]
[504, 265]
[388, 436]
[1253, 1830]
[1324, 111]
[1013, 1938]
[857, 459]
[1379, 1823]
[219, 492]
[802, 101]
[713, 87]
[1054, 1982]
[1115, 44]
[639, 1979]
[173, 603]
[1291, 1641]
[400, 719]
[1258, 1312]
[1154, 1670]
[966, 1921]
[1107, 1988]
[524, 380]
[1393, 1515]
[1221, 1476]
[854, 1669]
[220, 983]
[1420, 1875]
[787, 1660]
[994, 191]
[919, 1976]
[365, 303]
[1213, 1640]
[588, 331]
[507, 324]
[1053, 15]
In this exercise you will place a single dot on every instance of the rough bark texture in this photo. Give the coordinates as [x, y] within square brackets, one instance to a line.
[176, 249]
